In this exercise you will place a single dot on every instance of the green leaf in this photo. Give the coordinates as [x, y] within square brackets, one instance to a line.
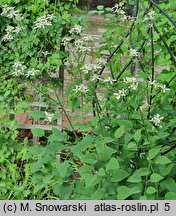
[119, 132]
[135, 190]
[92, 180]
[57, 135]
[155, 177]
[170, 196]
[153, 152]
[37, 114]
[85, 170]
[104, 152]
[151, 190]
[137, 136]
[38, 132]
[134, 179]
[162, 160]
[113, 164]
[82, 145]
[37, 166]
[123, 192]
[53, 147]
[142, 171]
[119, 175]
[90, 158]
[100, 7]
[62, 168]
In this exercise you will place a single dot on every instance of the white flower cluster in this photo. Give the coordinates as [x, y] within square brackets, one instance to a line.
[81, 46]
[10, 12]
[32, 72]
[120, 93]
[81, 88]
[21, 70]
[156, 120]
[155, 84]
[93, 67]
[49, 116]
[66, 40]
[108, 80]
[95, 77]
[44, 21]
[10, 31]
[150, 16]
[77, 29]
[118, 9]
[133, 52]
[133, 82]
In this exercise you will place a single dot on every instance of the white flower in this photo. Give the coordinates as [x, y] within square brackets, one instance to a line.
[130, 80]
[49, 116]
[10, 12]
[87, 38]
[81, 88]
[95, 77]
[44, 21]
[66, 40]
[100, 62]
[19, 68]
[81, 46]
[156, 120]
[121, 93]
[31, 72]
[133, 52]
[9, 33]
[118, 9]
[109, 79]
[86, 68]
[45, 53]
[77, 29]
[154, 83]
[133, 86]
[164, 88]
[133, 81]
[96, 67]
[150, 16]
[7, 37]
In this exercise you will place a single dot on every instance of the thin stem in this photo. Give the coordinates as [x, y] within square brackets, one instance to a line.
[153, 71]
[163, 12]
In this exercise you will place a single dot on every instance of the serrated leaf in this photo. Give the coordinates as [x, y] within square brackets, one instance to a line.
[155, 177]
[137, 136]
[151, 190]
[123, 192]
[119, 132]
[162, 160]
[153, 152]
[38, 132]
